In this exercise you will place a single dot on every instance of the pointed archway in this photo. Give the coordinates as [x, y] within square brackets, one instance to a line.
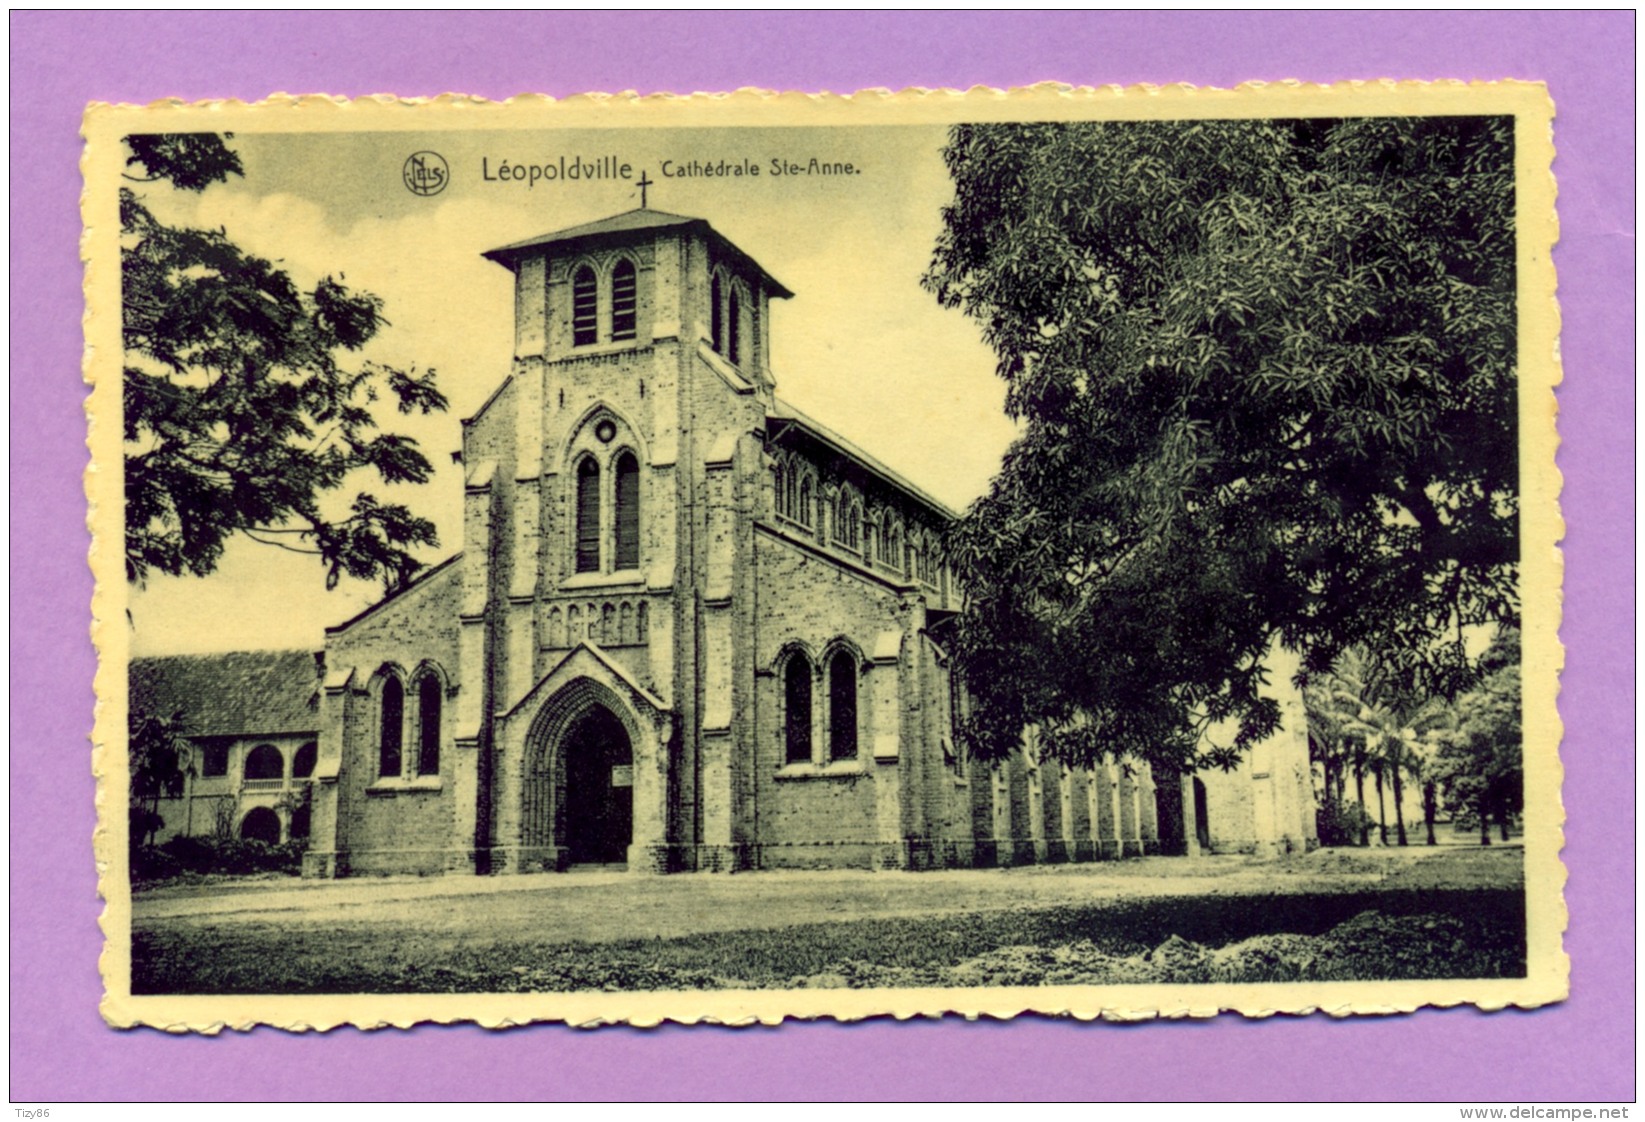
[583, 770]
[598, 762]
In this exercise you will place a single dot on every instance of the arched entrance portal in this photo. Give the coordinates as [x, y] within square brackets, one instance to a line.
[261, 824]
[599, 788]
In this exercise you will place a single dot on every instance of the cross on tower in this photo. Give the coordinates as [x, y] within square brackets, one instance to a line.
[642, 183]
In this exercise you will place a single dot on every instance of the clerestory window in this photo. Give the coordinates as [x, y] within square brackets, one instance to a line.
[716, 313]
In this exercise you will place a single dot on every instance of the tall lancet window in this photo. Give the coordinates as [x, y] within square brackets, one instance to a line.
[428, 725]
[842, 706]
[623, 300]
[391, 727]
[733, 328]
[716, 314]
[585, 308]
[628, 512]
[797, 710]
[588, 516]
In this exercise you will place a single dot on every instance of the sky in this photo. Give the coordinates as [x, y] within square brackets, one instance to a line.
[861, 346]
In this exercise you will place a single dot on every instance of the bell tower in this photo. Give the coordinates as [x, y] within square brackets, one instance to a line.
[603, 482]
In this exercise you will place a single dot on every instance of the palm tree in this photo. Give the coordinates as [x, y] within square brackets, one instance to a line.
[1357, 705]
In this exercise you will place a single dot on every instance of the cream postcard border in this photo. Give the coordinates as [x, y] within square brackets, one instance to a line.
[1541, 571]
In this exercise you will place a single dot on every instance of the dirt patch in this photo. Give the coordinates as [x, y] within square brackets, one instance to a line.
[1371, 945]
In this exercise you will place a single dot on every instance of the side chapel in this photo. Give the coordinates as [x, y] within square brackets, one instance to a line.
[692, 629]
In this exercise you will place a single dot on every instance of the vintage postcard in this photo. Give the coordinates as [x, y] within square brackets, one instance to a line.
[729, 558]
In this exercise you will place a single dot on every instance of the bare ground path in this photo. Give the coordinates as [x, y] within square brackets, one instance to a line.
[596, 906]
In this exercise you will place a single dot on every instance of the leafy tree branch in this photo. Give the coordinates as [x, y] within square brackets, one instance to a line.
[242, 410]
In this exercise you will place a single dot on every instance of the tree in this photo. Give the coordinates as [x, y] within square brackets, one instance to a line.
[241, 415]
[157, 754]
[1337, 741]
[1264, 373]
[1479, 762]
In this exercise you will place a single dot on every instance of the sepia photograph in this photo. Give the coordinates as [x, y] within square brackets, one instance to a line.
[637, 561]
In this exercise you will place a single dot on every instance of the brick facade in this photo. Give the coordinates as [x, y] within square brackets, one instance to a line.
[690, 627]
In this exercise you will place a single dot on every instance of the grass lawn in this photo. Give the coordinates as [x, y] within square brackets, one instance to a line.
[1446, 914]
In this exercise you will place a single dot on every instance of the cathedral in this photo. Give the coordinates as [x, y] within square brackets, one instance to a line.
[690, 629]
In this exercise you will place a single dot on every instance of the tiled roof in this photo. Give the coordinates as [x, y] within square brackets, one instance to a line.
[782, 412]
[618, 226]
[241, 693]
[630, 220]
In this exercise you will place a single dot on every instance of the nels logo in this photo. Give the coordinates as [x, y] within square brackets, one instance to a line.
[425, 173]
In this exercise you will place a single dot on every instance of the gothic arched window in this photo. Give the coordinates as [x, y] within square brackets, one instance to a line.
[733, 327]
[624, 300]
[804, 513]
[585, 308]
[428, 725]
[781, 479]
[628, 512]
[871, 540]
[391, 728]
[716, 314]
[842, 706]
[797, 710]
[848, 532]
[893, 545]
[588, 516]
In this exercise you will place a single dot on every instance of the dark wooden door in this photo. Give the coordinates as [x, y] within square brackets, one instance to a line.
[599, 766]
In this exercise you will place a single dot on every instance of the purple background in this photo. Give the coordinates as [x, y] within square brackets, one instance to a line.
[61, 1050]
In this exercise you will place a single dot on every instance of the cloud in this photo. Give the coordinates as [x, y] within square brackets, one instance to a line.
[861, 346]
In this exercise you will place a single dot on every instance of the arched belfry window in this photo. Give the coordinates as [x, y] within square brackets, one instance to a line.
[716, 313]
[797, 710]
[628, 511]
[428, 725]
[733, 327]
[842, 706]
[391, 728]
[585, 308]
[624, 300]
[588, 516]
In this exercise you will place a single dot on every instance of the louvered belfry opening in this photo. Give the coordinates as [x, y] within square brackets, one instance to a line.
[585, 308]
[624, 300]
